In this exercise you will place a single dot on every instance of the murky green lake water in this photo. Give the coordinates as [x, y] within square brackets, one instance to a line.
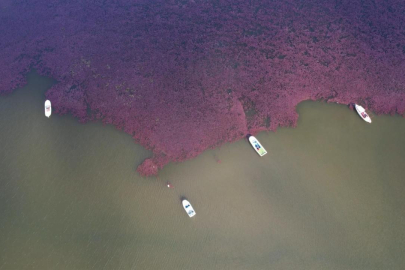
[328, 195]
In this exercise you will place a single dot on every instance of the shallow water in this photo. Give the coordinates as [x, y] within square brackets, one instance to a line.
[328, 195]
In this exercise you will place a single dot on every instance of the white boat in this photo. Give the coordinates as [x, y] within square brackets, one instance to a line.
[257, 146]
[48, 108]
[189, 209]
[362, 112]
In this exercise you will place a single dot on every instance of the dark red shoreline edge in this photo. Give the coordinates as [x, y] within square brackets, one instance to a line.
[185, 76]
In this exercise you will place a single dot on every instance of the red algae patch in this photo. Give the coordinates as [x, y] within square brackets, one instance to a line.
[148, 167]
[185, 76]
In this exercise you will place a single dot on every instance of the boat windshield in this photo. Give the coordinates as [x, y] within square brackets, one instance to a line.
[187, 205]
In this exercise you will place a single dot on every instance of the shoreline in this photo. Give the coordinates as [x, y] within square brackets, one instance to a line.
[151, 166]
[181, 78]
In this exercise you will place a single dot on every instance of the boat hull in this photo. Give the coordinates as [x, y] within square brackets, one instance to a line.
[362, 112]
[257, 146]
[188, 208]
[48, 108]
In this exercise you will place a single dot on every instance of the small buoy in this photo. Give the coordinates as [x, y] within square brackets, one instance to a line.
[169, 185]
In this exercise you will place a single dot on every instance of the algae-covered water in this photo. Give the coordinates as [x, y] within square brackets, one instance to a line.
[328, 195]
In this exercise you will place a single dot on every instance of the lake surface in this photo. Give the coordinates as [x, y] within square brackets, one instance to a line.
[328, 195]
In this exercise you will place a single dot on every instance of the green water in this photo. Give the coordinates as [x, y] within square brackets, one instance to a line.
[328, 195]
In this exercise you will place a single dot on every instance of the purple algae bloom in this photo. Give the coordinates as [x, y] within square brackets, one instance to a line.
[185, 76]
